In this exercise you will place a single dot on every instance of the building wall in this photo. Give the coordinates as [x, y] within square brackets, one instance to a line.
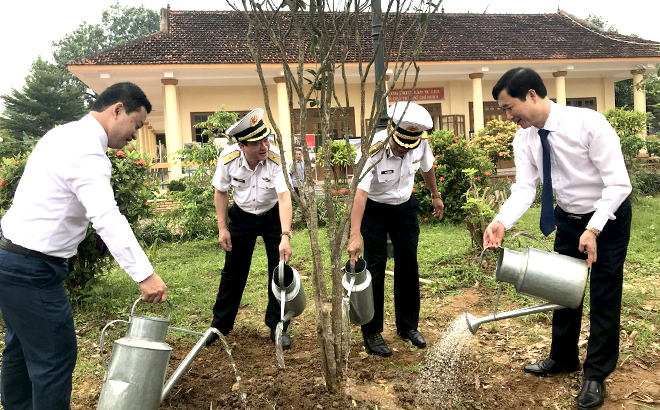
[457, 96]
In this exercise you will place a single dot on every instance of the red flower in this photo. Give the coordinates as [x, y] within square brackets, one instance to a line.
[442, 178]
[421, 186]
[146, 184]
[413, 189]
[453, 144]
[426, 219]
[478, 178]
[437, 156]
[487, 173]
[455, 139]
[143, 163]
[136, 163]
[121, 154]
[129, 148]
[448, 148]
[3, 183]
[79, 287]
[453, 186]
[435, 165]
[146, 203]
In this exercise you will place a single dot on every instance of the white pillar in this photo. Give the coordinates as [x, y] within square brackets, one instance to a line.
[639, 96]
[172, 128]
[608, 91]
[477, 101]
[284, 116]
[560, 86]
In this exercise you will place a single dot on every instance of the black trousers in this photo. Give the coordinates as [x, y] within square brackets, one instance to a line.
[244, 229]
[605, 286]
[40, 339]
[400, 222]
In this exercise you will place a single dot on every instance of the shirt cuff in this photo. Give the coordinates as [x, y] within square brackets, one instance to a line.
[599, 219]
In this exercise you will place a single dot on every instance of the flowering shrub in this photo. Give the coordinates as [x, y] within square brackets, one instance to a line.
[452, 155]
[10, 174]
[496, 139]
[133, 188]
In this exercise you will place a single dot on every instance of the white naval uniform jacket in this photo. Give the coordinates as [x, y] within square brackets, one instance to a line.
[391, 180]
[254, 191]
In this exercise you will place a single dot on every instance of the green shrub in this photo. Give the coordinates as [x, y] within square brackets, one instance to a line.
[134, 189]
[496, 139]
[338, 158]
[646, 181]
[453, 155]
[10, 174]
[196, 217]
[653, 145]
[629, 125]
[176, 185]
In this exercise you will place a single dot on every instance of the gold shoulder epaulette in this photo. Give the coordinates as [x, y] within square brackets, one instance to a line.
[375, 148]
[425, 135]
[226, 159]
[274, 157]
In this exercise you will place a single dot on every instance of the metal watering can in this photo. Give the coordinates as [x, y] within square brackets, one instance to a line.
[135, 374]
[558, 279]
[288, 291]
[358, 290]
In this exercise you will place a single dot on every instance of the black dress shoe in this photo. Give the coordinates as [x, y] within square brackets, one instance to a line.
[415, 337]
[549, 367]
[286, 341]
[592, 395]
[376, 345]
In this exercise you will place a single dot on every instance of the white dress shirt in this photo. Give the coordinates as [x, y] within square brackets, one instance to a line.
[588, 171]
[65, 185]
[391, 180]
[255, 191]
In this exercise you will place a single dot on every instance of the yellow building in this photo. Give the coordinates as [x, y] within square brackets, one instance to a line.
[199, 61]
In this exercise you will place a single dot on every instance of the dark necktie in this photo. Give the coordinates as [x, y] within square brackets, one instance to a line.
[547, 224]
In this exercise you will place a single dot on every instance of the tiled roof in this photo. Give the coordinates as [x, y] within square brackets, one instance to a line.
[219, 37]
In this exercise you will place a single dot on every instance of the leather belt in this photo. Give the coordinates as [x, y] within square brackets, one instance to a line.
[8, 245]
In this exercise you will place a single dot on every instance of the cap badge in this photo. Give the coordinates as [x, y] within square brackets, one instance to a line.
[412, 128]
[254, 120]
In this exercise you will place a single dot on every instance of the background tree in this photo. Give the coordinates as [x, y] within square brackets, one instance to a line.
[47, 99]
[317, 43]
[52, 95]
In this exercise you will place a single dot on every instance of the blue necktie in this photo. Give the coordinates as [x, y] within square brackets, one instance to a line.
[547, 224]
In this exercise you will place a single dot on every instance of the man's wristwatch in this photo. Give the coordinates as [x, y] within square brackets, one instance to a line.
[436, 196]
[287, 233]
[593, 230]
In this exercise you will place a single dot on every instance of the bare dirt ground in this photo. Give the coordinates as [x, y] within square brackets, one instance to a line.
[490, 377]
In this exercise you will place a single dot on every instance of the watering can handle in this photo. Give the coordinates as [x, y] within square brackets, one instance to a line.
[105, 364]
[280, 274]
[481, 257]
[168, 302]
[530, 236]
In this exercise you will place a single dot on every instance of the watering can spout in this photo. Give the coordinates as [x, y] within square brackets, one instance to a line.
[475, 322]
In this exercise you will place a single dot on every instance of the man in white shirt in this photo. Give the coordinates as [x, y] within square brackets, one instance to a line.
[65, 185]
[576, 153]
[262, 207]
[384, 205]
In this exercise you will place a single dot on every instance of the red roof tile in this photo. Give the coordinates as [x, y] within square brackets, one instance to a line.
[219, 37]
